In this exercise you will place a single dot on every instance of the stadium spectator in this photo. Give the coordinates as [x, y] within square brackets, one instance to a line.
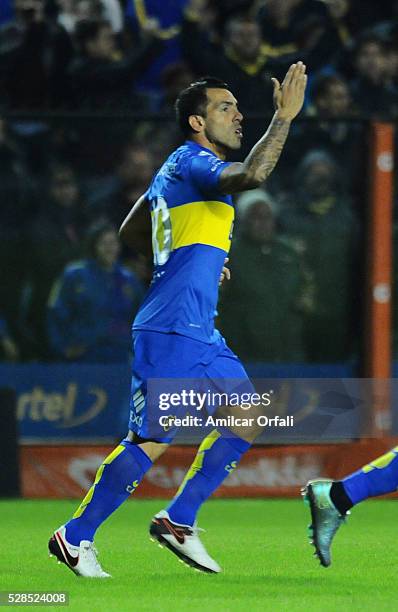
[278, 24]
[112, 196]
[332, 107]
[320, 219]
[101, 77]
[36, 58]
[93, 304]
[351, 17]
[241, 60]
[261, 309]
[372, 93]
[168, 16]
[17, 207]
[344, 139]
[73, 11]
[174, 78]
[304, 28]
[112, 12]
[332, 97]
[161, 140]
[339, 11]
[56, 239]
[360, 15]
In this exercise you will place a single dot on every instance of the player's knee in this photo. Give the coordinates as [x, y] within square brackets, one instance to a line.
[249, 433]
[244, 422]
[152, 448]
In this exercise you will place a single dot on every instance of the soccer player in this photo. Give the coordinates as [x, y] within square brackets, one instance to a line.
[330, 501]
[174, 336]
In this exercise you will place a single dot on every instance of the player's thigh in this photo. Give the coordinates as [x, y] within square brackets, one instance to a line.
[169, 356]
[161, 361]
[227, 374]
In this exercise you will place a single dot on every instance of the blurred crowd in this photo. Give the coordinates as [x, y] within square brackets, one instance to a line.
[134, 55]
[69, 290]
[87, 89]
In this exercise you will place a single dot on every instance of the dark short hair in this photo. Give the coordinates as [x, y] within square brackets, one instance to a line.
[193, 100]
[323, 82]
[238, 18]
[87, 30]
[95, 232]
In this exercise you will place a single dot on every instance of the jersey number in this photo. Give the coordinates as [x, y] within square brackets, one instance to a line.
[161, 232]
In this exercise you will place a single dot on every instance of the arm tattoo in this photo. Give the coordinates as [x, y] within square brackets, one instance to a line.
[261, 160]
[263, 157]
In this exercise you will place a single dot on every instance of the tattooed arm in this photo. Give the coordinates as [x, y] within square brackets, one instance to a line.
[262, 159]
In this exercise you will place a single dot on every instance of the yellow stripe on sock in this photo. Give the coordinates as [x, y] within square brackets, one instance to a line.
[382, 461]
[207, 443]
[115, 453]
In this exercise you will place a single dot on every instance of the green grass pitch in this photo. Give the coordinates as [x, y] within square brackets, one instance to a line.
[261, 545]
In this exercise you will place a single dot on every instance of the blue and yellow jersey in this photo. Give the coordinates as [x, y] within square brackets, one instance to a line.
[191, 236]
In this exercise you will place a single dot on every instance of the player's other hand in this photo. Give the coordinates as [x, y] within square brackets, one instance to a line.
[289, 97]
[225, 272]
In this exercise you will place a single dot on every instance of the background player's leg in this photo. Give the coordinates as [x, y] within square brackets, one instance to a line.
[217, 456]
[376, 478]
[331, 500]
[117, 477]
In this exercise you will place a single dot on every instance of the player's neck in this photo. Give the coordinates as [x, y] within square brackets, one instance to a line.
[217, 149]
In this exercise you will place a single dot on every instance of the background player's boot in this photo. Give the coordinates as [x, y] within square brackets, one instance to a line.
[82, 559]
[325, 519]
[183, 541]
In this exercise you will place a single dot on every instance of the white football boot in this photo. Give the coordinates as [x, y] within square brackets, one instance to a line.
[82, 559]
[183, 541]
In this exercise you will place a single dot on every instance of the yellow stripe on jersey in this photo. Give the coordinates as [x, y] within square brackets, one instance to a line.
[202, 223]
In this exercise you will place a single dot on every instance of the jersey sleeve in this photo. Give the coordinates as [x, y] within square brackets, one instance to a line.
[205, 170]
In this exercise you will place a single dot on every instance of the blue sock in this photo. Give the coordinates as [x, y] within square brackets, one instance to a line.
[117, 477]
[376, 478]
[217, 456]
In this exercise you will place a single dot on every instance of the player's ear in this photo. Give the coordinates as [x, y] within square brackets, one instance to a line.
[196, 122]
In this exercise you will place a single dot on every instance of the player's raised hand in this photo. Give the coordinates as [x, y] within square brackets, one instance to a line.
[289, 97]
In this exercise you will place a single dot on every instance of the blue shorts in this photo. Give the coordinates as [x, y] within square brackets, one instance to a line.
[174, 357]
